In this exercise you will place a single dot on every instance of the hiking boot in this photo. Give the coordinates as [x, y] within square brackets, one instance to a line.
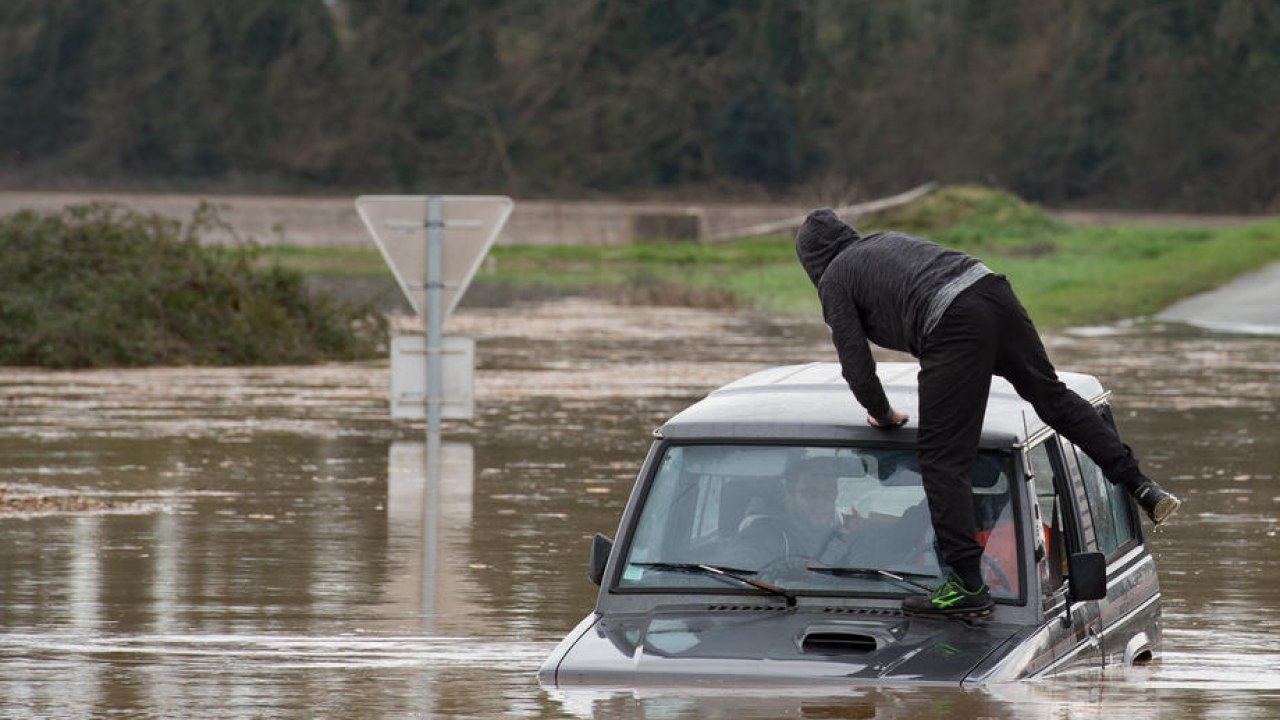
[1158, 504]
[950, 600]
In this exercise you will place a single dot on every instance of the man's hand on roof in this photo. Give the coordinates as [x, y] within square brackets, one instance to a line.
[895, 419]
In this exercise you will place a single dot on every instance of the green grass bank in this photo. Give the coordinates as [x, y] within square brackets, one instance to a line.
[1065, 275]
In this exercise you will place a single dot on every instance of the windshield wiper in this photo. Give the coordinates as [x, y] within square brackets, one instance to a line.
[900, 576]
[732, 573]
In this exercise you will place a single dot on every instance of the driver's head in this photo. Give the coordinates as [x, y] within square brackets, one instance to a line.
[812, 490]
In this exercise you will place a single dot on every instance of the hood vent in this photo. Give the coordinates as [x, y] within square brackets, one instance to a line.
[830, 610]
[747, 608]
[838, 643]
[877, 612]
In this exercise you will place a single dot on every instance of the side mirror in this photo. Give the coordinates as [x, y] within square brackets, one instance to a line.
[601, 546]
[1088, 576]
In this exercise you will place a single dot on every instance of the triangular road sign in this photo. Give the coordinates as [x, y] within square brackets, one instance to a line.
[398, 224]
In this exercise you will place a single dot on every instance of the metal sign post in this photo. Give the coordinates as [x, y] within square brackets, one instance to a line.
[434, 315]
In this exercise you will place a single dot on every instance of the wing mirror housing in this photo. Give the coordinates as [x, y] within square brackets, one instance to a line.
[1088, 576]
[601, 546]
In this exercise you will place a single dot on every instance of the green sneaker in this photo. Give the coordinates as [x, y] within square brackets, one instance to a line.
[950, 600]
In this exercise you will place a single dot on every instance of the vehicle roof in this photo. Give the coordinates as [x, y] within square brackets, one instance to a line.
[813, 402]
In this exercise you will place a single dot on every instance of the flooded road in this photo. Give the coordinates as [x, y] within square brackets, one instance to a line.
[260, 542]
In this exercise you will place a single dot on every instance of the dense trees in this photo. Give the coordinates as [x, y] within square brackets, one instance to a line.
[1147, 103]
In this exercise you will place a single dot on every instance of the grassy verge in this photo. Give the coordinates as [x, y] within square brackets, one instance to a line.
[1099, 275]
[1065, 275]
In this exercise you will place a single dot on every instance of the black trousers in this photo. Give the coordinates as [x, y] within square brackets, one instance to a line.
[987, 332]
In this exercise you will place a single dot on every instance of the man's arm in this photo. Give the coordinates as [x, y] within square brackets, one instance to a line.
[856, 364]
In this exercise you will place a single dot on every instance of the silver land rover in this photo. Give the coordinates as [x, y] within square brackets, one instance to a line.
[733, 564]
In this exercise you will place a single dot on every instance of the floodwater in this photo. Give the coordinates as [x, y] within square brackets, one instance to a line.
[260, 542]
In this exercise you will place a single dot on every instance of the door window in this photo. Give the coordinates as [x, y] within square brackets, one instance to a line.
[1043, 472]
[1109, 506]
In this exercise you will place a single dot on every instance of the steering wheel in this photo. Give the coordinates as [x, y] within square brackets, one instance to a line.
[784, 566]
[832, 535]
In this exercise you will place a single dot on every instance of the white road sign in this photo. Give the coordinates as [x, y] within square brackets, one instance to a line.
[409, 377]
[398, 224]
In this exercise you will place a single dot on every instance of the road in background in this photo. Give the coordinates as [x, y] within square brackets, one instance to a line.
[1248, 304]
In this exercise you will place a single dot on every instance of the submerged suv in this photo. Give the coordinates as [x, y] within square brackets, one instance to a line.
[772, 536]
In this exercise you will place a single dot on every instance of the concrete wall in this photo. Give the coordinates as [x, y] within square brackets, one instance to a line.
[333, 222]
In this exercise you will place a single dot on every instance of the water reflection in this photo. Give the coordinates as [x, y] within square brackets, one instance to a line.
[1129, 695]
[276, 550]
[319, 576]
[429, 499]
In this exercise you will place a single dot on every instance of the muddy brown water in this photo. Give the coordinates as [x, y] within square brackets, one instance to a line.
[258, 542]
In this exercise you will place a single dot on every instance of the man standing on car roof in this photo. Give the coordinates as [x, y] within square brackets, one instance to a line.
[965, 325]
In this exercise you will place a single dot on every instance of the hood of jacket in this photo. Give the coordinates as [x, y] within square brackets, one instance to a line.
[822, 236]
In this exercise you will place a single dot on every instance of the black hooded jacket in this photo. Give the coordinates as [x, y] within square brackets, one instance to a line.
[890, 288]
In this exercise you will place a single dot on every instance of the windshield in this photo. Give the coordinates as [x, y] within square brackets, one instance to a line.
[781, 514]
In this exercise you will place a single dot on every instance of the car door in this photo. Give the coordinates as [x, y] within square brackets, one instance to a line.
[1075, 626]
[1088, 523]
[1130, 612]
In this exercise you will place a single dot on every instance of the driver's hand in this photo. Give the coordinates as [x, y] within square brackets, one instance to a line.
[849, 522]
[897, 420]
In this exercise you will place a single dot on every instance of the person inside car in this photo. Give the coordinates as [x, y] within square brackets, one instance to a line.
[810, 526]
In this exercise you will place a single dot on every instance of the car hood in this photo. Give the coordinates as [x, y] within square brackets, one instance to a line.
[766, 644]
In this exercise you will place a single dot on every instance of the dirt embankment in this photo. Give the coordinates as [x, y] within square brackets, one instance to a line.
[319, 222]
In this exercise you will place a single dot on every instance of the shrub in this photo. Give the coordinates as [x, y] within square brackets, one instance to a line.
[101, 286]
